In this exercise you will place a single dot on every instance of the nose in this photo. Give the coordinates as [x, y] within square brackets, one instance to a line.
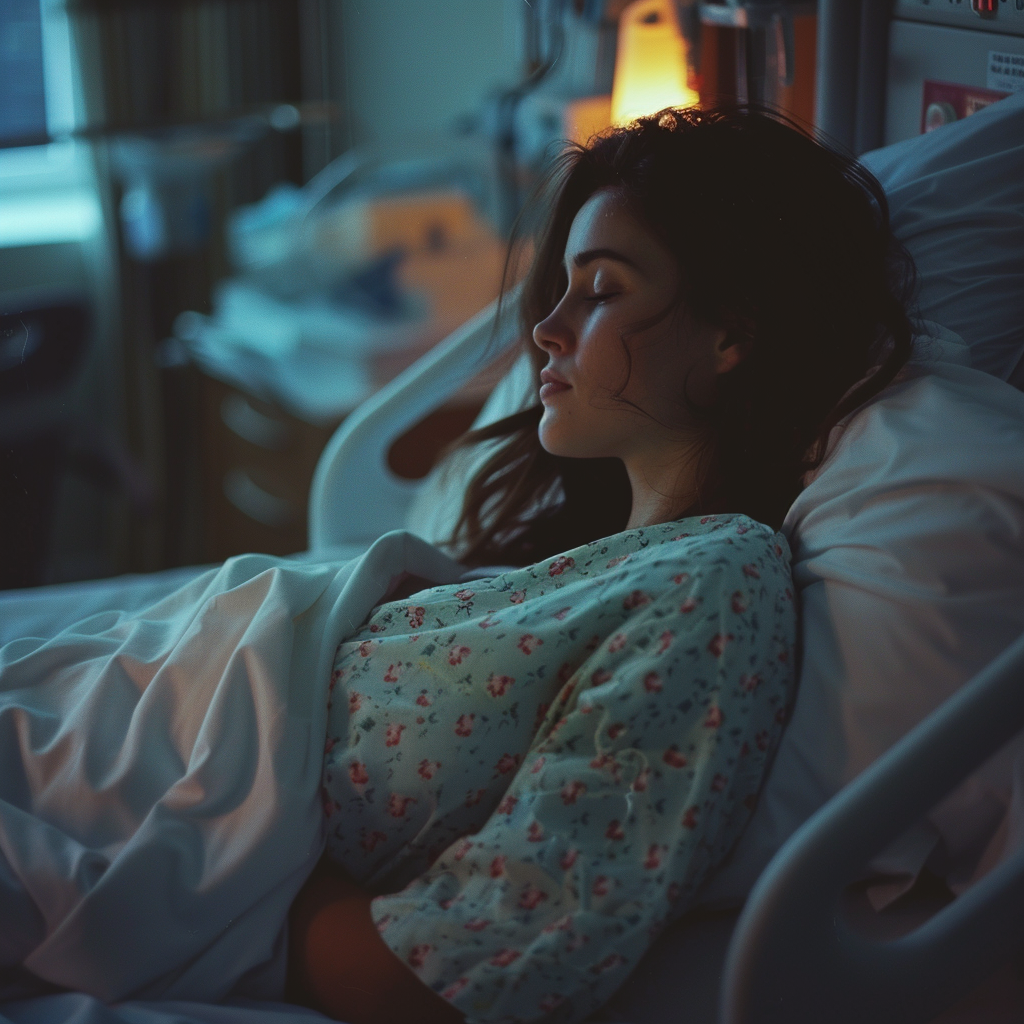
[553, 333]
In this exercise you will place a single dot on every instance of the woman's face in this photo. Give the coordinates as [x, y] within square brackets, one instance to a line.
[619, 274]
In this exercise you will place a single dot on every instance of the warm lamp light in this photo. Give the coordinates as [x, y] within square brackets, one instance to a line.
[651, 67]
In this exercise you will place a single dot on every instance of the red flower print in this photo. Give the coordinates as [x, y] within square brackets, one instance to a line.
[742, 528]
[393, 672]
[778, 550]
[428, 769]
[464, 596]
[393, 734]
[616, 561]
[550, 1002]
[653, 858]
[718, 783]
[507, 763]
[565, 671]
[454, 988]
[665, 641]
[614, 831]
[640, 782]
[616, 643]
[714, 717]
[593, 643]
[329, 805]
[690, 817]
[560, 564]
[717, 643]
[397, 805]
[531, 897]
[472, 799]
[358, 774]
[517, 596]
[497, 685]
[420, 719]
[750, 683]
[331, 743]
[688, 605]
[464, 725]
[609, 963]
[423, 700]
[376, 627]
[476, 924]
[355, 702]
[637, 599]
[372, 840]
[615, 730]
[680, 577]
[680, 536]
[601, 886]
[367, 647]
[504, 957]
[761, 740]
[465, 845]
[571, 792]
[528, 643]
[336, 678]
[383, 923]
[708, 519]
[537, 765]
[602, 760]
[418, 955]
[535, 833]
[601, 676]
[568, 858]
[561, 614]
[487, 622]
[652, 682]
[674, 758]
[563, 924]
[739, 602]
[497, 868]
[415, 615]
[751, 571]
[456, 654]
[508, 805]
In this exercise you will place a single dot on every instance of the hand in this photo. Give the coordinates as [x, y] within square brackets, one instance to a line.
[338, 963]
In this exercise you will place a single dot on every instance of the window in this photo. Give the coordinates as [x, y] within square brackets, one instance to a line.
[22, 87]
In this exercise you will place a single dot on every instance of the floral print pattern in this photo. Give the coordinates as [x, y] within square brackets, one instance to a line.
[541, 768]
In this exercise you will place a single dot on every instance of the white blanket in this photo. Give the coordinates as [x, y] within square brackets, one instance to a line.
[159, 777]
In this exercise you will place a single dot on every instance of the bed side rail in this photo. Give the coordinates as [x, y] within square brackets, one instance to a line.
[794, 958]
[355, 498]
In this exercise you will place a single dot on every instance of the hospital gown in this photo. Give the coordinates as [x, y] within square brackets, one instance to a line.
[539, 769]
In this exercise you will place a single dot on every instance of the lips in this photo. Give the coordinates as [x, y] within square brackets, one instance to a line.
[550, 377]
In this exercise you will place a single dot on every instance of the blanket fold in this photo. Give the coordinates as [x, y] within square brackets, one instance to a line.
[160, 774]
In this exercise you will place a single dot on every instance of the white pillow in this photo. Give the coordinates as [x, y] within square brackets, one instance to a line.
[957, 201]
[908, 554]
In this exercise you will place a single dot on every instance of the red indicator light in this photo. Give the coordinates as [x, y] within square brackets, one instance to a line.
[984, 6]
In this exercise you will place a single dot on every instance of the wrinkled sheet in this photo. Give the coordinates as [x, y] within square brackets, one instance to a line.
[159, 784]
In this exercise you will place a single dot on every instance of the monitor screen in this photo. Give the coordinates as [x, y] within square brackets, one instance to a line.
[22, 94]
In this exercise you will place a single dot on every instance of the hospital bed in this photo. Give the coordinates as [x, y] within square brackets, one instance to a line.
[807, 946]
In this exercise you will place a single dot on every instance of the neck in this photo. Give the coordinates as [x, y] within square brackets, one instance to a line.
[662, 489]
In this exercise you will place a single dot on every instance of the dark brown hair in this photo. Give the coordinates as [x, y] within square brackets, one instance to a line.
[779, 239]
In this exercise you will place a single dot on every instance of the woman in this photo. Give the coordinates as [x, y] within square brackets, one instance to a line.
[711, 294]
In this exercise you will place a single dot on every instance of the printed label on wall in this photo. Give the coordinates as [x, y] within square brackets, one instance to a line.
[1005, 71]
[945, 102]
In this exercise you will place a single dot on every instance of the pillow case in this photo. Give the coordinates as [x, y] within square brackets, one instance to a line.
[956, 196]
[908, 554]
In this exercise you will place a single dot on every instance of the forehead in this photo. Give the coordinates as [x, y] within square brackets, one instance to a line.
[605, 221]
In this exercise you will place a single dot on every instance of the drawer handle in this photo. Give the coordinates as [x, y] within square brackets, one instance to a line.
[252, 500]
[252, 425]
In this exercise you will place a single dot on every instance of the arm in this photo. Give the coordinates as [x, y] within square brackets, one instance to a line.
[338, 963]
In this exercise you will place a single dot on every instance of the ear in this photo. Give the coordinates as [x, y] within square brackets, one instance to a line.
[730, 349]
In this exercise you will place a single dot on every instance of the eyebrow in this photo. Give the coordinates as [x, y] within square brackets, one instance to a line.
[581, 259]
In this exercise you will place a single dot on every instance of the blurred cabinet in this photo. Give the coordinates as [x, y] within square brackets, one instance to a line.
[258, 463]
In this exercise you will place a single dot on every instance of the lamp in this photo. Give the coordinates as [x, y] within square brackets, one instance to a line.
[651, 65]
